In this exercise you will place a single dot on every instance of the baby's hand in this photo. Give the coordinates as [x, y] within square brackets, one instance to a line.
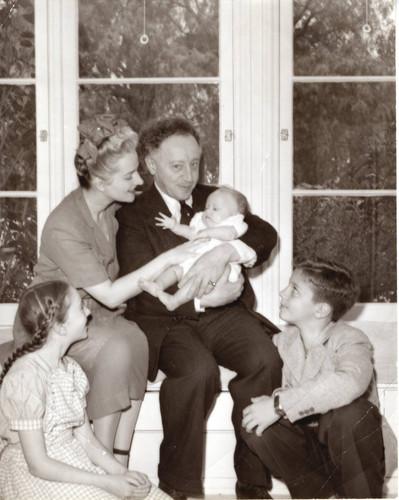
[259, 414]
[165, 222]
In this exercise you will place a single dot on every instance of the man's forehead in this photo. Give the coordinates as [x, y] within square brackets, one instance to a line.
[177, 144]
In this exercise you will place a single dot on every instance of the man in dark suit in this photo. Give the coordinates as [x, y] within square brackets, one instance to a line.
[218, 327]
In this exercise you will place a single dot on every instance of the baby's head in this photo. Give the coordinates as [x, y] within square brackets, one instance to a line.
[319, 288]
[223, 203]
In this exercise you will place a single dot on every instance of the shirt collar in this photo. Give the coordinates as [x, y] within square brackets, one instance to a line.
[173, 204]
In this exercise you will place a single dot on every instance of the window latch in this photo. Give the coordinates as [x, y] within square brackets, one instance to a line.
[43, 135]
[228, 135]
[284, 134]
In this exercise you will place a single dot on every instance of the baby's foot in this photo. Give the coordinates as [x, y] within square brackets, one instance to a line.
[168, 300]
[149, 286]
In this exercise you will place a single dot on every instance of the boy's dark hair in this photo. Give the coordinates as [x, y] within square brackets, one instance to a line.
[332, 283]
[153, 134]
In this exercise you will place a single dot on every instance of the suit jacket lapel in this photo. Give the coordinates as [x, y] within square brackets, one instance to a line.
[317, 355]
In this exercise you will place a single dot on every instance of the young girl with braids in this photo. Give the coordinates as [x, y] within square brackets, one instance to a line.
[49, 450]
[78, 246]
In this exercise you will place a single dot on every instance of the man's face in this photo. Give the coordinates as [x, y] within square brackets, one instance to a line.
[175, 165]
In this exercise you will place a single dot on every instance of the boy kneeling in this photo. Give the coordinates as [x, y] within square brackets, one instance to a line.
[321, 431]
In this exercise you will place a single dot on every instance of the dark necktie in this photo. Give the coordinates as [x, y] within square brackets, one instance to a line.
[186, 213]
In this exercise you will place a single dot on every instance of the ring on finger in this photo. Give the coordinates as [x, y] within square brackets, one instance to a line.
[212, 283]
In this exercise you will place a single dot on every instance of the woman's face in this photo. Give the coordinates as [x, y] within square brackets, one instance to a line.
[122, 182]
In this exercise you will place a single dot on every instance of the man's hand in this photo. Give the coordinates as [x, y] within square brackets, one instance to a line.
[224, 292]
[208, 269]
[259, 414]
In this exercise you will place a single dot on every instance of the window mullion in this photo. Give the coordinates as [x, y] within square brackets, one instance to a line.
[342, 79]
[42, 114]
[344, 192]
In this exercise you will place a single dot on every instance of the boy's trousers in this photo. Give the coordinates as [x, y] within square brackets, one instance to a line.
[340, 452]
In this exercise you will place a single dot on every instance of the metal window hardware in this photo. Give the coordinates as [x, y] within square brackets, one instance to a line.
[43, 135]
[228, 135]
[284, 134]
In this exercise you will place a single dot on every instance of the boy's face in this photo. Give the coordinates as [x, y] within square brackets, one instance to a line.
[219, 206]
[297, 305]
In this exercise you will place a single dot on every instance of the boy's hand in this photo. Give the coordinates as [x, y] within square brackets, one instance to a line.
[259, 414]
[165, 221]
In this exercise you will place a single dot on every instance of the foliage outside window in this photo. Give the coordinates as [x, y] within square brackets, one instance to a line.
[183, 42]
[18, 226]
[344, 139]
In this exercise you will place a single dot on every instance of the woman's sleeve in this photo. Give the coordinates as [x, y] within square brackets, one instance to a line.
[75, 256]
[22, 402]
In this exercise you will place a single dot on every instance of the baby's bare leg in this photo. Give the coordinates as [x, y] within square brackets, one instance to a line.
[180, 297]
[167, 278]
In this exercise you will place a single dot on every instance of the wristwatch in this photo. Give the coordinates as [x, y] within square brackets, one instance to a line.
[277, 405]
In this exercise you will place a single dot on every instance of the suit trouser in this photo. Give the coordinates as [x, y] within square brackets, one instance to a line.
[343, 454]
[189, 356]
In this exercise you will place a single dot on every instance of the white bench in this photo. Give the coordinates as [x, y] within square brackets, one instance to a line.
[219, 475]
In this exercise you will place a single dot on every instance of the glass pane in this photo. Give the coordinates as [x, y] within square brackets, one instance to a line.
[330, 37]
[17, 39]
[359, 232]
[138, 104]
[18, 229]
[344, 136]
[183, 38]
[18, 138]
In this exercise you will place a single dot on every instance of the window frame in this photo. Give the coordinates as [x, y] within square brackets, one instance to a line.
[371, 311]
[72, 80]
[42, 194]
[57, 105]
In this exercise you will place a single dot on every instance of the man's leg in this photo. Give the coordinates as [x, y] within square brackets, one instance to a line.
[186, 396]
[239, 342]
[354, 439]
[293, 453]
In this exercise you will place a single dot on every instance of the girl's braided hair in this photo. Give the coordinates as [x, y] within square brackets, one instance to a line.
[40, 308]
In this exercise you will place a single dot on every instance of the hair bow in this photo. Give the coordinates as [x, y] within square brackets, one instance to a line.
[95, 130]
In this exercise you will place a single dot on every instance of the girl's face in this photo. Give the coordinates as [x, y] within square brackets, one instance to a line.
[77, 317]
[122, 182]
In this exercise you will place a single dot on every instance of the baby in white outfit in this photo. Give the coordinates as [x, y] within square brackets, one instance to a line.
[221, 221]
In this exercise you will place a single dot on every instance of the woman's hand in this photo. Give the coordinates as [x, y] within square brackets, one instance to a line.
[186, 251]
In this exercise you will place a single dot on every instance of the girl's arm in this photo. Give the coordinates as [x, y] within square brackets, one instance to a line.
[100, 456]
[96, 451]
[42, 466]
[113, 293]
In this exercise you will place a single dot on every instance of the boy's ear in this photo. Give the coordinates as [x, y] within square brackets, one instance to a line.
[322, 310]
